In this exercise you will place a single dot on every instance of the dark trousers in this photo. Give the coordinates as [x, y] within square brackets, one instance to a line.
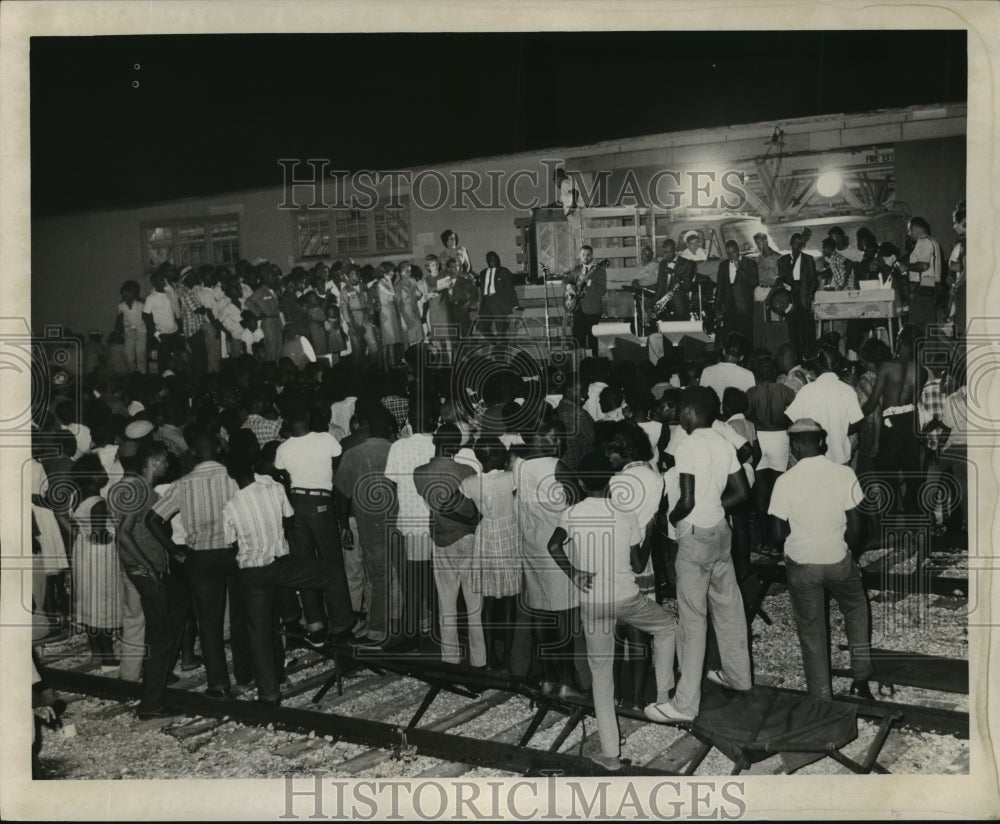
[315, 535]
[164, 606]
[740, 549]
[740, 322]
[801, 329]
[212, 574]
[199, 354]
[582, 324]
[259, 586]
[490, 322]
[899, 457]
[807, 585]
[165, 347]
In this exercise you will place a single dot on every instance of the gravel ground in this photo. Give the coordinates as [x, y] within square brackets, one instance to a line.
[111, 743]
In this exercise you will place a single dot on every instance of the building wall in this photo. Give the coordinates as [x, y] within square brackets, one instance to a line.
[930, 179]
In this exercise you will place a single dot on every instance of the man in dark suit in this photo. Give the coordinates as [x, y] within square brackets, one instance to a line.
[797, 274]
[679, 272]
[591, 283]
[499, 300]
[734, 288]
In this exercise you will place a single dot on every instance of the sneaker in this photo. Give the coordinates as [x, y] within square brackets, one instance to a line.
[611, 763]
[666, 713]
[568, 693]
[217, 692]
[316, 638]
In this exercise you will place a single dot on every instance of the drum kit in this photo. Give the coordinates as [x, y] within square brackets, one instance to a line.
[647, 314]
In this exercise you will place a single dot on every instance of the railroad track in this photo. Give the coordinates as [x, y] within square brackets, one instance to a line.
[396, 723]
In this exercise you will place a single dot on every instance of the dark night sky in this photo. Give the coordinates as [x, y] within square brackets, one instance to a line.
[213, 113]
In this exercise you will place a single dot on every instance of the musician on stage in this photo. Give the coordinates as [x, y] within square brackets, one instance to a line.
[735, 285]
[646, 275]
[588, 282]
[499, 299]
[676, 278]
[797, 274]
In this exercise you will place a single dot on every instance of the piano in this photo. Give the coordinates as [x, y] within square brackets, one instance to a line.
[856, 303]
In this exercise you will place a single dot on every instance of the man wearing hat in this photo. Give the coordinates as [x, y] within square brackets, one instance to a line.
[692, 243]
[815, 515]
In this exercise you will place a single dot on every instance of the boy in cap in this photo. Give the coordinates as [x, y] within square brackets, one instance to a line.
[814, 505]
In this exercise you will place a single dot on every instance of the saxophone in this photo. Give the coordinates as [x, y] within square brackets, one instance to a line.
[661, 304]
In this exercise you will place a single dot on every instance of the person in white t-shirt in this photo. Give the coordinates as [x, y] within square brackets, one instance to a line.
[605, 548]
[158, 312]
[721, 376]
[815, 511]
[308, 457]
[132, 327]
[711, 481]
[832, 403]
[924, 269]
[411, 537]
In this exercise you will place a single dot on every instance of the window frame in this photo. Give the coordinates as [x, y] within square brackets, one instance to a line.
[206, 222]
[329, 217]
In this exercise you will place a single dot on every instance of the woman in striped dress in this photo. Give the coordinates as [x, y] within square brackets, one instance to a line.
[97, 573]
[497, 557]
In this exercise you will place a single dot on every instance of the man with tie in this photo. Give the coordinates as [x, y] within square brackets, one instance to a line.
[797, 274]
[591, 282]
[734, 286]
[498, 299]
[675, 273]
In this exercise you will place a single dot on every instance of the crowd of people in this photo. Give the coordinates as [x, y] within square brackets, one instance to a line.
[255, 490]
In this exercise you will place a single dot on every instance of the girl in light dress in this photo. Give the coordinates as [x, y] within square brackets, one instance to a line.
[389, 319]
[498, 557]
[97, 573]
[410, 289]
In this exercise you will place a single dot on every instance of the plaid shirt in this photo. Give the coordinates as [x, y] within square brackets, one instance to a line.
[839, 279]
[399, 407]
[191, 321]
[264, 430]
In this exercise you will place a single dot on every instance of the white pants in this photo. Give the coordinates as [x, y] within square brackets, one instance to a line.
[453, 571]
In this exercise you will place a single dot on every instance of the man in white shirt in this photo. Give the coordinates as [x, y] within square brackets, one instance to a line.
[412, 542]
[605, 549]
[814, 505]
[308, 458]
[721, 376]
[831, 403]
[924, 269]
[711, 481]
[254, 520]
[161, 321]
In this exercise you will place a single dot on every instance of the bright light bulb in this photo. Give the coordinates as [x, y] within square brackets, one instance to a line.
[829, 183]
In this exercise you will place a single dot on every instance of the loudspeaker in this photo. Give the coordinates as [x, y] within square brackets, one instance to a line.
[630, 348]
[693, 347]
[673, 356]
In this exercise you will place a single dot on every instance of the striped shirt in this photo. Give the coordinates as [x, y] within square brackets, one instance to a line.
[199, 498]
[253, 518]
